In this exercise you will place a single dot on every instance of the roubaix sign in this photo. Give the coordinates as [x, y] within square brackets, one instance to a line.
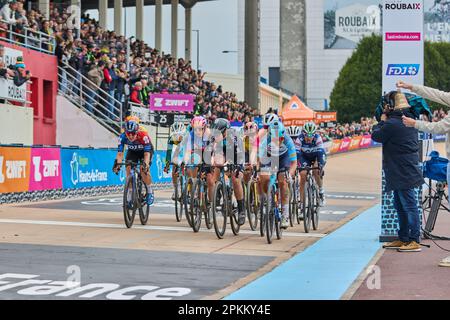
[403, 47]
[8, 90]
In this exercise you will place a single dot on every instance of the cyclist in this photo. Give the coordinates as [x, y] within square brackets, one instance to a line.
[228, 148]
[177, 133]
[140, 148]
[250, 141]
[193, 151]
[312, 150]
[277, 146]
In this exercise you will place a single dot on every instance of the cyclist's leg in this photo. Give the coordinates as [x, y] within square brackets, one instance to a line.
[147, 179]
[318, 174]
[239, 194]
[284, 188]
[211, 178]
[134, 157]
[304, 162]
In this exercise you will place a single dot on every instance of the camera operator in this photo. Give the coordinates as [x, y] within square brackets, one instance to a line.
[401, 168]
[441, 127]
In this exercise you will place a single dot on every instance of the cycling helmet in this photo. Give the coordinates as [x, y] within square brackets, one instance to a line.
[131, 126]
[221, 124]
[198, 121]
[269, 118]
[277, 128]
[133, 118]
[293, 131]
[310, 128]
[250, 127]
[177, 128]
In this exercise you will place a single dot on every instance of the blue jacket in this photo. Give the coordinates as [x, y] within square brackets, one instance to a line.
[400, 152]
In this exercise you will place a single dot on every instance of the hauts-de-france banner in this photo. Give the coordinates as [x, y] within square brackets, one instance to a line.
[403, 43]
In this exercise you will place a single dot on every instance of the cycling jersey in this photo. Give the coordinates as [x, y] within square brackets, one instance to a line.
[311, 152]
[315, 145]
[173, 148]
[270, 148]
[193, 147]
[285, 153]
[142, 142]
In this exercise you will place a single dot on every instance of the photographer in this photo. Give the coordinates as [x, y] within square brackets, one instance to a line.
[441, 127]
[401, 168]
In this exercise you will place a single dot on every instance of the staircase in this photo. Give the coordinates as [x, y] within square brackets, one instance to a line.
[97, 103]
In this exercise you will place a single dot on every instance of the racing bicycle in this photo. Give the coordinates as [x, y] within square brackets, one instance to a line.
[135, 195]
[196, 200]
[224, 204]
[311, 205]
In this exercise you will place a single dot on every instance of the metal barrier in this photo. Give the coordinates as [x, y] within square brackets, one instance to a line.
[35, 40]
[97, 103]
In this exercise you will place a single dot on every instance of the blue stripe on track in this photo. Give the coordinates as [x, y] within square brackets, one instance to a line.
[326, 269]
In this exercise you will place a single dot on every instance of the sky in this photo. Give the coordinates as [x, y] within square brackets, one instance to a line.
[218, 25]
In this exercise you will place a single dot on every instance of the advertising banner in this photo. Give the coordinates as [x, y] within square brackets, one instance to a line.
[347, 22]
[355, 143]
[14, 169]
[366, 141]
[335, 146]
[86, 168]
[345, 144]
[172, 102]
[403, 46]
[157, 168]
[46, 172]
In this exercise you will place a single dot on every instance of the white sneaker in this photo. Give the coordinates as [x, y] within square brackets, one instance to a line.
[284, 222]
[445, 262]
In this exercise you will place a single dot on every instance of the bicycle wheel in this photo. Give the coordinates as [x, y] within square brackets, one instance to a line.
[252, 205]
[307, 208]
[315, 208]
[178, 200]
[269, 218]
[234, 214]
[206, 206]
[195, 206]
[129, 213]
[219, 209]
[189, 188]
[277, 214]
[144, 208]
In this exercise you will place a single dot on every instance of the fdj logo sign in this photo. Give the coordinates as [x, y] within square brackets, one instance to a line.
[402, 69]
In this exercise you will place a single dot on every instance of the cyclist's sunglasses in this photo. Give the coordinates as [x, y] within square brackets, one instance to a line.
[131, 134]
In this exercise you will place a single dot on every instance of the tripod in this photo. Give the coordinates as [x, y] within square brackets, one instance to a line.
[434, 205]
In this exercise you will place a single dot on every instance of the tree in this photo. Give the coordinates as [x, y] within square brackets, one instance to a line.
[357, 91]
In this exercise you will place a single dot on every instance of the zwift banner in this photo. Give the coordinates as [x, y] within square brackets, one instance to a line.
[172, 102]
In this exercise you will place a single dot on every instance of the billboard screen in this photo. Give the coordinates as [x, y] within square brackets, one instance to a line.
[346, 22]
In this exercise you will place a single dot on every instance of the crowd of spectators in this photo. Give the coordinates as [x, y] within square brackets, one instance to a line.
[101, 56]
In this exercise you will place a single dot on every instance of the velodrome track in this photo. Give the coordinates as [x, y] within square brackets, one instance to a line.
[55, 240]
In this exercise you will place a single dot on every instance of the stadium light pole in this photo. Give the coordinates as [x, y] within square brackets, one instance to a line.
[198, 45]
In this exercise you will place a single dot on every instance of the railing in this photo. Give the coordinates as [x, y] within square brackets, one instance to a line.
[35, 40]
[97, 103]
